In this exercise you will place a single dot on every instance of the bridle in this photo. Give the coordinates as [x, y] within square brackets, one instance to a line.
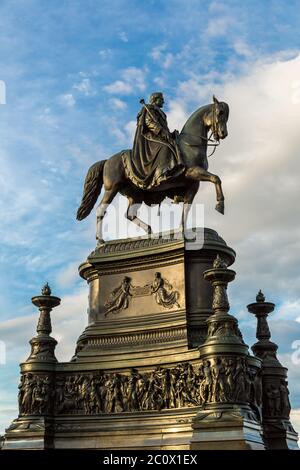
[210, 142]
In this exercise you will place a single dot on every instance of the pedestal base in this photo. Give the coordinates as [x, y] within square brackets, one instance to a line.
[136, 378]
[280, 435]
[229, 427]
[30, 433]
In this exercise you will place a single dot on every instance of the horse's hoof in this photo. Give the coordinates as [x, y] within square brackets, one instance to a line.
[220, 207]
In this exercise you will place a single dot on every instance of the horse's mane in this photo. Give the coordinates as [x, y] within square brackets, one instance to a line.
[196, 114]
[201, 111]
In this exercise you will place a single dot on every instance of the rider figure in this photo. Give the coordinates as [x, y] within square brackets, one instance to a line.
[155, 156]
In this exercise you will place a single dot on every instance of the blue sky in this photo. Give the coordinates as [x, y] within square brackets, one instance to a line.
[74, 73]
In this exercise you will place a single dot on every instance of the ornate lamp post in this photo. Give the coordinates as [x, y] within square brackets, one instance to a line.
[229, 416]
[277, 429]
[43, 345]
[37, 382]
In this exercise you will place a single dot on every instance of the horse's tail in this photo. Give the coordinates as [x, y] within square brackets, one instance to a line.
[92, 189]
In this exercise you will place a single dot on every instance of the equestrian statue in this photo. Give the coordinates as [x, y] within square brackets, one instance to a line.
[161, 163]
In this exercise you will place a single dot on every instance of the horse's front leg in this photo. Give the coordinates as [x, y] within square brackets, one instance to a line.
[199, 174]
[187, 202]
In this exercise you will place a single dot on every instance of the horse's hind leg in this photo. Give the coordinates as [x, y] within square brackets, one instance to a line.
[101, 211]
[131, 215]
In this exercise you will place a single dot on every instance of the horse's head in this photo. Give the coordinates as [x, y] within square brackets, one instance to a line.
[216, 119]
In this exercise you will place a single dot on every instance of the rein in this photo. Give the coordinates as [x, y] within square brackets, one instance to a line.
[208, 139]
[214, 143]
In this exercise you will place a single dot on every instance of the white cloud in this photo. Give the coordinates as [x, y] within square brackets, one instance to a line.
[168, 60]
[47, 117]
[192, 90]
[119, 87]
[68, 100]
[123, 36]
[116, 103]
[218, 26]
[85, 87]
[158, 52]
[289, 310]
[132, 80]
[242, 48]
[217, 7]
[105, 53]
[118, 134]
[8, 412]
[124, 134]
[130, 129]
[135, 76]
[177, 115]
[295, 419]
[68, 276]
[160, 55]
[68, 321]
[160, 81]
[257, 163]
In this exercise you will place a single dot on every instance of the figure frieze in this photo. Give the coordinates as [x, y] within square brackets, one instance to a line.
[35, 394]
[217, 380]
[276, 400]
[224, 380]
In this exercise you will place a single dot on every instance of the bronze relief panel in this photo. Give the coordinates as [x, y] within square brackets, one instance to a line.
[142, 293]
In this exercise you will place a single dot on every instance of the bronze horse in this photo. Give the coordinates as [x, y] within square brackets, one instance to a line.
[193, 141]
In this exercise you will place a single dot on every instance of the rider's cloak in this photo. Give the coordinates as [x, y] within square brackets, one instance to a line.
[153, 159]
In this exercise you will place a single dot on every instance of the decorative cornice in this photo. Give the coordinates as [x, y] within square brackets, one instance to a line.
[131, 245]
[134, 339]
[156, 240]
[138, 253]
[132, 266]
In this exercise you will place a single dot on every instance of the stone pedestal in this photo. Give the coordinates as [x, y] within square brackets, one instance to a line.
[160, 365]
[133, 380]
[144, 321]
[230, 427]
